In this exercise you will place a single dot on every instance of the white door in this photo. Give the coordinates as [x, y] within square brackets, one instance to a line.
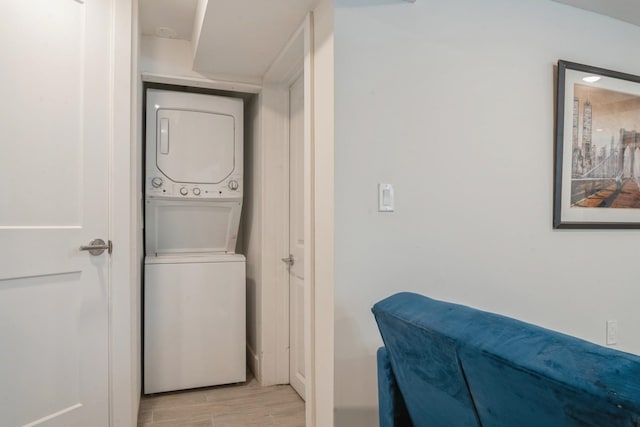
[296, 236]
[54, 187]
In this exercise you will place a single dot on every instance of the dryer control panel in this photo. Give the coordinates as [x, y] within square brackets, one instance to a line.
[159, 186]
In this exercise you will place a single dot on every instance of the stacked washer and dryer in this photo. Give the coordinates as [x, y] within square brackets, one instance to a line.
[194, 282]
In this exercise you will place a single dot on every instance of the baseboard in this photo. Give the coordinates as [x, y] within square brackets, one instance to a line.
[253, 363]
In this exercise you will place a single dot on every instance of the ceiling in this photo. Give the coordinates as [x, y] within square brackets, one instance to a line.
[238, 38]
[159, 17]
[625, 10]
[241, 38]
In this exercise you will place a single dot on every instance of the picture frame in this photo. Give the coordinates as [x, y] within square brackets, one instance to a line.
[597, 151]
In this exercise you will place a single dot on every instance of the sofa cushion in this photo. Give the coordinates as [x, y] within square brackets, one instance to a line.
[457, 366]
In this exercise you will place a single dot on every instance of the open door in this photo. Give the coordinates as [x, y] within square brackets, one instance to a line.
[54, 171]
[296, 238]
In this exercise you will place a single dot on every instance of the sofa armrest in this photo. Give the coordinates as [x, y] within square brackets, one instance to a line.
[391, 407]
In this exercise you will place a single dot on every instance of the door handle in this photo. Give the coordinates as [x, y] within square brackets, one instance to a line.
[97, 246]
[288, 260]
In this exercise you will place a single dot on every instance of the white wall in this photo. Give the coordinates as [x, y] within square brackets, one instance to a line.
[453, 103]
[273, 313]
[170, 61]
[251, 231]
[169, 57]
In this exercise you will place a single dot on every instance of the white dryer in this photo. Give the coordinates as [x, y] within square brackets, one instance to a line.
[194, 146]
[194, 304]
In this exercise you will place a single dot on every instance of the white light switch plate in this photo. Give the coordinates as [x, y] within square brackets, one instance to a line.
[385, 198]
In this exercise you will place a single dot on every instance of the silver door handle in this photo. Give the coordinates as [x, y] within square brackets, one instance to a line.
[288, 260]
[97, 246]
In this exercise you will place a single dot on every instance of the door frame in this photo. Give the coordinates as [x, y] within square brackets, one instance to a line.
[322, 199]
[126, 211]
[295, 59]
[124, 214]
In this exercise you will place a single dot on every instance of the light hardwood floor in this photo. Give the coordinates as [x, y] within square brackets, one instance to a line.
[241, 405]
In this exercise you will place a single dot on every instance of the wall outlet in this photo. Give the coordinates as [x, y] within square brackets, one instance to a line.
[612, 332]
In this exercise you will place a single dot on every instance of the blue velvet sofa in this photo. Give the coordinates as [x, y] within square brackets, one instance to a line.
[447, 365]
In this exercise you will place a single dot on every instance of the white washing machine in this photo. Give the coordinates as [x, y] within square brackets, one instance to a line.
[194, 321]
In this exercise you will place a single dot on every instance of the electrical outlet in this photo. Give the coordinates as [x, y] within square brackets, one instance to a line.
[612, 332]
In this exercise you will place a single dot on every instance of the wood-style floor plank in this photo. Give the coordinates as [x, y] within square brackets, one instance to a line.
[240, 405]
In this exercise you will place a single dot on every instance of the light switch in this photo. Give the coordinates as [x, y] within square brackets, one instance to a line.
[385, 198]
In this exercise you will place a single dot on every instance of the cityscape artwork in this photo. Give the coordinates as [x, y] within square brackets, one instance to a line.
[605, 163]
[597, 175]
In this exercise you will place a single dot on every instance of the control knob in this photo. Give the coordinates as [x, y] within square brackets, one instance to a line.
[156, 182]
[196, 191]
[184, 191]
[233, 185]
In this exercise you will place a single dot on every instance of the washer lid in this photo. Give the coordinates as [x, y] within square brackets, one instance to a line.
[195, 146]
[191, 226]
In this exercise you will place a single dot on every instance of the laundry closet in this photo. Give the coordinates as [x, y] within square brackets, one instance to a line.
[194, 281]
[223, 224]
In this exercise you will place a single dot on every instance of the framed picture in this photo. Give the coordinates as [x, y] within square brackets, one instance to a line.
[597, 170]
